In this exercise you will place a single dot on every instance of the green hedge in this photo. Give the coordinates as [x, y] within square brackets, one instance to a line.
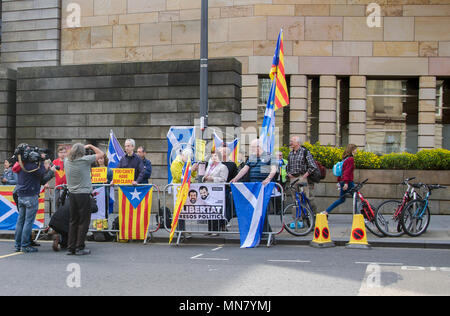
[433, 159]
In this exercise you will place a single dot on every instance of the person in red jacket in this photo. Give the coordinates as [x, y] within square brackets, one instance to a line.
[345, 182]
[60, 175]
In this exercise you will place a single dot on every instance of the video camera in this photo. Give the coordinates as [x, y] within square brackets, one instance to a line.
[29, 153]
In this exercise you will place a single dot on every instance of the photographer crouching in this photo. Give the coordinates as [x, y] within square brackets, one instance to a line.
[31, 162]
[78, 174]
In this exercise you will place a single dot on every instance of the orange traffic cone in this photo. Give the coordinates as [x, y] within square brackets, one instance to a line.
[322, 237]
[358, 237]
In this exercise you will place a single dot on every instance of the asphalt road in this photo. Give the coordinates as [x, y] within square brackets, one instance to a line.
[217, 270]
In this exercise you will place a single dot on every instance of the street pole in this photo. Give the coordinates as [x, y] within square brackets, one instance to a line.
[204, 67]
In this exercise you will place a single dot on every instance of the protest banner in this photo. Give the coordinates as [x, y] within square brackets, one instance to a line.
[99, 175]
[205, 201]
[123, 176]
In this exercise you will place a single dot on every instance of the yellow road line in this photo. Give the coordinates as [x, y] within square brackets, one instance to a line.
[11, 254]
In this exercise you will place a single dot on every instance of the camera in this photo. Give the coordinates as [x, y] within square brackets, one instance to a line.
[30, 153]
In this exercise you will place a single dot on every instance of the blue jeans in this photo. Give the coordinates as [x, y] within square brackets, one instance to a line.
[342, 198]
[28, 206]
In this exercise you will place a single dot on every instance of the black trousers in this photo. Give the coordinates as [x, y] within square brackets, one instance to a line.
[80, 218]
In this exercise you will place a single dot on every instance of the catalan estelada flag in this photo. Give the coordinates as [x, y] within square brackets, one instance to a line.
[182, 195]
[277, 72]
[135, 204]
[9, 213]
[233, 146]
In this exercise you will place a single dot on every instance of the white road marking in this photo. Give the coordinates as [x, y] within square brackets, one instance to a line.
[289, 260]
[218, 248]
[381, 263]
[197, 257]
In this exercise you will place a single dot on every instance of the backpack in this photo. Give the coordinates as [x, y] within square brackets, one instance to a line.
[337, 168]
[319, 173]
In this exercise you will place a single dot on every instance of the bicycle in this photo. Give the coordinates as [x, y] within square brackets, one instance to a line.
[303, 215]
[367, 210]
[388, 213]
[416, 216]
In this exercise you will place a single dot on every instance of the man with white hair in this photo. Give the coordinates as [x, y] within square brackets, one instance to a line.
[260, 165]
[261, 168]
[133, 161]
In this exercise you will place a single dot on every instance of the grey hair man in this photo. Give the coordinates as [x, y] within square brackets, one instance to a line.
[300, 165]
[78, 174]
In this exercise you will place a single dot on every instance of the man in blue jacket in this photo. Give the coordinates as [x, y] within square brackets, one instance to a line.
[28, 188]
[141, 152]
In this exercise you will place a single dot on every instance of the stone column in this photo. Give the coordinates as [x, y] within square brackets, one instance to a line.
[357, 115]
[249, 110]
[427, 112]
[298, 118]
[327, 110]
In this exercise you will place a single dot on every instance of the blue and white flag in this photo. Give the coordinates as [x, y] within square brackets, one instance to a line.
[178, 139]
[251, 200]
[115, 151]
[268, 125]
[114, 154]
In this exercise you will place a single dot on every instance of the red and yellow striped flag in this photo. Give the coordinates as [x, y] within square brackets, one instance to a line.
[135, 204]
[277, 72]
[182, 195]
[40, 215]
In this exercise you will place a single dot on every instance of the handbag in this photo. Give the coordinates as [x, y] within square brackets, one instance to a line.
[93, 204]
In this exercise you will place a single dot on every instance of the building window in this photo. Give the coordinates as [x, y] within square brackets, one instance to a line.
[392, 116]
[442, 127]
[281, 115]
[313, 110]
[342, 111]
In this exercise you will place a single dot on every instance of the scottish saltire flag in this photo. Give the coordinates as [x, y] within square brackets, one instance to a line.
[277, 72]
[135, 204]
[9, 213]
[268, 126]
[182, 195]
[178, 138]
[233, 146]
[251, 200]
[115, 151]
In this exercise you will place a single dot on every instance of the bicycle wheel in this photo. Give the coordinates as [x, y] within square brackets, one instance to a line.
[298, 224]
[369, 221]
[415, 218]
[386, 220]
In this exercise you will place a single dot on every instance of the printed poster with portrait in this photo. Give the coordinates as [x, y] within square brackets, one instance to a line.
[205, 201]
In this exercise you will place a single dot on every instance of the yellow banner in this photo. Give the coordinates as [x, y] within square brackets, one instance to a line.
[200, 146]
[99, 175]
[123, 176]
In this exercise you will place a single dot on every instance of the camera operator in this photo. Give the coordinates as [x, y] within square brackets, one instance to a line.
[78, 175]
[29, 183]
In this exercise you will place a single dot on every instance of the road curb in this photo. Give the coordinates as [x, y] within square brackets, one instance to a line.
[418, 244]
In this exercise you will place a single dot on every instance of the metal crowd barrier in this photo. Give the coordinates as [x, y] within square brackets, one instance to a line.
[155, 219]
[229, 225]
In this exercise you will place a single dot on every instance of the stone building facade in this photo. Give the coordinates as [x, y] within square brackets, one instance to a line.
[381, 83]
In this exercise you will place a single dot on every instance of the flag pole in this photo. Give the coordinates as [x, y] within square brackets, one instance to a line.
[204, 67]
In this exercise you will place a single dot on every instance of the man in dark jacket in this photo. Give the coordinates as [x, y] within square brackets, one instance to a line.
[141, 152]
[132, 161]
[29, 184]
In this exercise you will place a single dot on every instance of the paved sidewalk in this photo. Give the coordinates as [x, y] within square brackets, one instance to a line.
[437, 235]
